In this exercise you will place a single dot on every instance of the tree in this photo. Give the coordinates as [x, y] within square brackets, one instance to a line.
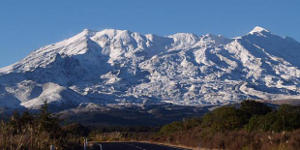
[14, 122]
[26, 118]
[251, 108]
[286, 118]
[224, 118]
[48, 122]
[172, 128]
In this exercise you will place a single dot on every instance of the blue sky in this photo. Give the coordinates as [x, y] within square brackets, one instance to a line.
[26, 25]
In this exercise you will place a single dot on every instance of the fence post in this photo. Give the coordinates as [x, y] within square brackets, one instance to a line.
[100, 145]
[52, 147]
[85, 143]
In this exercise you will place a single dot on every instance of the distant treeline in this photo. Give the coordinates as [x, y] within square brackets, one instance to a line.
[252, 125]
[251, 116]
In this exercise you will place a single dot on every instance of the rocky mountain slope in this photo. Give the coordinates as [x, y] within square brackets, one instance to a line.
[120, 67]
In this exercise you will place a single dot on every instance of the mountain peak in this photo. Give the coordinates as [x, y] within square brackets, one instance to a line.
[258, 29]
[86, 32]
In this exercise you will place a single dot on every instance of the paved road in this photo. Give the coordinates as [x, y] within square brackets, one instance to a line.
[131, 146]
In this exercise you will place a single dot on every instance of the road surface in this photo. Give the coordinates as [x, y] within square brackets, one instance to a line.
[131, 146]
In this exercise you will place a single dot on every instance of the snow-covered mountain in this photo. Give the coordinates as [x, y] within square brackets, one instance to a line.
[119, 67]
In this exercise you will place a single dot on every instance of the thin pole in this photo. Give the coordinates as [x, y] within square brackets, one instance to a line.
[52, 147]
[84, 143]
[100, 145]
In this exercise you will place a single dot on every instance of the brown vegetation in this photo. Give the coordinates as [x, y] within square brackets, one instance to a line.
[36, 132]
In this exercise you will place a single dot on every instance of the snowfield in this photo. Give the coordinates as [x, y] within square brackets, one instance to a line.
[120, 67]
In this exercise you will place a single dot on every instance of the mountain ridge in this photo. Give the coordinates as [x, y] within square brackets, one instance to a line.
[120, 67]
